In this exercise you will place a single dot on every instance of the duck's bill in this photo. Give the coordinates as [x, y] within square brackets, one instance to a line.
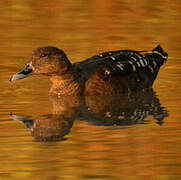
[27, 71]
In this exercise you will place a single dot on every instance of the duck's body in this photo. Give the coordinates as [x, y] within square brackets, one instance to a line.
[122, 71]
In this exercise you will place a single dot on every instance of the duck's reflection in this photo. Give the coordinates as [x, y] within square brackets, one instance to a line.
[104, 111]
[54, 126]
[123, 110]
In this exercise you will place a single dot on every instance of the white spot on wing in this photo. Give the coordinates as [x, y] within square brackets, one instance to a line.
[134, 68]
[141, 61]
[121, 66]
[107, 72]
[145, 61]
[139, 56]
[156, 52]
[138, 64]
[113, 58]
[100, 55]
[151, 69]
[154, 63]
[134, 58]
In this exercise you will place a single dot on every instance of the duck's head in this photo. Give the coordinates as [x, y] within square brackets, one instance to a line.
[45, 60]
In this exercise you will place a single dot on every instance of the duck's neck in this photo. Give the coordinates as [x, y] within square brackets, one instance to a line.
[64, 85]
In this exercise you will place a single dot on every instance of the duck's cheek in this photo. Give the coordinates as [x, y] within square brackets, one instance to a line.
[34, 67]
[36, 71]
[40, 70]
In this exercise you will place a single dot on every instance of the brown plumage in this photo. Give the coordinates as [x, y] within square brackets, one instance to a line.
[112, 72]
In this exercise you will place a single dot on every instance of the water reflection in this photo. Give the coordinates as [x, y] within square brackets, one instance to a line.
[104, 111]
[124, 110]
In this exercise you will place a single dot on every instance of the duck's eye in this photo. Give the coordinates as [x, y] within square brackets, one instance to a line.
[43, 55]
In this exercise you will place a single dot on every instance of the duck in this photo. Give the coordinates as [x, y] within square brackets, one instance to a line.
[107, 73]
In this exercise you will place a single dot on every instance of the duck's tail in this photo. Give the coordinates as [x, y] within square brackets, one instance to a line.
[155, 59]
[157, 56]
[159, 50]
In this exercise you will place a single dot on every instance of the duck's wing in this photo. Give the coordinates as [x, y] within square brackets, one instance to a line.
[112, 61]
[123, 61]
[128, 61]
[125, 68]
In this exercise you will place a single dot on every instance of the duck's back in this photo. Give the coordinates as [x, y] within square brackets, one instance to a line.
[120, 71]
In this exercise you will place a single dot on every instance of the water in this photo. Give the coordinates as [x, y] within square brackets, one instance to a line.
[107, 138]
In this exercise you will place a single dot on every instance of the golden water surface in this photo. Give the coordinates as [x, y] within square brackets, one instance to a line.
[93, 138]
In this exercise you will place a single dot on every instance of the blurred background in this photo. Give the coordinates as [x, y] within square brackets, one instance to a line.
[83, 29]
